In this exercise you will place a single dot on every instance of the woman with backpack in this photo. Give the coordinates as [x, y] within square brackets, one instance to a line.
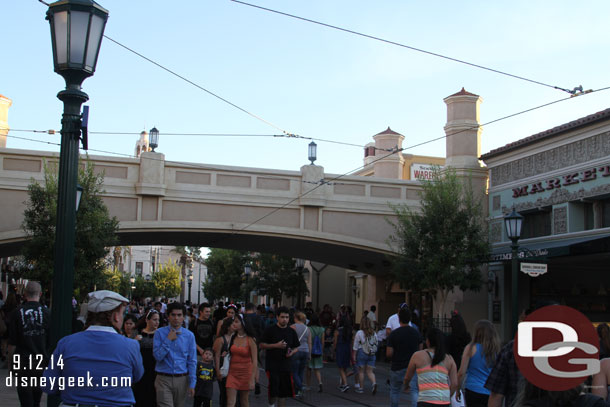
[317, 350]
[364, 353]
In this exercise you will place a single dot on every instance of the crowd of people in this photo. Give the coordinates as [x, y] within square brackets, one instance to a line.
[169, 350]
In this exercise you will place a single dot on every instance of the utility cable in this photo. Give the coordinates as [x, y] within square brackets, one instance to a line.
[393, 151]
[197, 85]
[372, 37]
[131, 133]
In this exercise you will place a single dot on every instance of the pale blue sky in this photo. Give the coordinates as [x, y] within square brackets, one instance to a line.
[310, 80]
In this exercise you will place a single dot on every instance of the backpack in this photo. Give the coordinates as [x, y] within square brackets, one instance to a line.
[369, 346]
[316, 346]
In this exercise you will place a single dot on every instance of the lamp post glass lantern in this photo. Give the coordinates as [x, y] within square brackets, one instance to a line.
[513, 223]
[312, 152]
[153, 136]
[77, 28]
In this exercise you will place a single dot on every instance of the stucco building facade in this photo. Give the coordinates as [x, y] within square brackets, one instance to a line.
[559, 181]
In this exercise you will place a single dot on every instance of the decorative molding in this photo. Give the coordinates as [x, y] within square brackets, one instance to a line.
[497, 202]
[495, 234]
[578, 152]
[560, 196]
[560, 220]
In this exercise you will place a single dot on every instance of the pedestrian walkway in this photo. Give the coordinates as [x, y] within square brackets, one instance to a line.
[330, 397]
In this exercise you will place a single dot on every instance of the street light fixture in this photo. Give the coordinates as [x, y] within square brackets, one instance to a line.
[190, 283]
[512, 223]
[247, 273]
[153, 136]
[77, 28]
[299, 263]
[313, 152]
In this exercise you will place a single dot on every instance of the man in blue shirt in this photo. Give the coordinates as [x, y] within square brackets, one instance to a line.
[96, 366]
[175, 350]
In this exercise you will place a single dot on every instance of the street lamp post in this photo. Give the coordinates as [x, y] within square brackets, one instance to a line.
[512, 224]
[190, 282]
[247, 273]
[132, 285]
[199, 284]
[77, 27]
[300, 263]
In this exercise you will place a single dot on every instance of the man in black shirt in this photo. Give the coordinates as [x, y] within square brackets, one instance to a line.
[402, 343]
[203, 328]
[29, 338]
[280, 342]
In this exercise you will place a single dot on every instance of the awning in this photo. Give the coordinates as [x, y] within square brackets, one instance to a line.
[555, 248]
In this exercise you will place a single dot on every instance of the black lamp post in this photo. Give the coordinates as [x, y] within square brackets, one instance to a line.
[247, 273]
[312, 152]
[512, 223]
[132, 285]
[190, 282]
[300, 263]
[77, 27]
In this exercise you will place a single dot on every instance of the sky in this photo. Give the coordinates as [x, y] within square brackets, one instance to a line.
[306, 79]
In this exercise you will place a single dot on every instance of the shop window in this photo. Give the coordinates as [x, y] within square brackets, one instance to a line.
[139, 267]
[536, 224]
[605, 204]
[588, 217]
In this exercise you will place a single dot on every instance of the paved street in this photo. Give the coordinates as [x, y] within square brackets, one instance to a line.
[329, 398]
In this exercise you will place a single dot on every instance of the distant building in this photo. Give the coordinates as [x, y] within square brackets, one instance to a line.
[378, 162]
[142, 144]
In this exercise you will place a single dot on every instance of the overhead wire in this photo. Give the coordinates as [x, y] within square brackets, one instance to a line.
[331, 181]
[372, 37]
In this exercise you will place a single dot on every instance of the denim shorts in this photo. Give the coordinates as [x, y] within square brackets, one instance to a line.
[362, 359]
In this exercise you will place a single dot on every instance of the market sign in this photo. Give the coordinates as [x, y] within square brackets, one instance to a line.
[558, 182]
[533, 269]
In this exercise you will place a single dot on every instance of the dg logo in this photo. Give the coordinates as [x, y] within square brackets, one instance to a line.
[556, 348]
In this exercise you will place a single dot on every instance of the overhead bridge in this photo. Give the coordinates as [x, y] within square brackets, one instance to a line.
[345, 222]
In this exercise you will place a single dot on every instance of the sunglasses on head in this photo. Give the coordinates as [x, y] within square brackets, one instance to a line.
[152, 311]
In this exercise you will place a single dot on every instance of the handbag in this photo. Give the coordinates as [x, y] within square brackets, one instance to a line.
[226, 361]
[454, 402]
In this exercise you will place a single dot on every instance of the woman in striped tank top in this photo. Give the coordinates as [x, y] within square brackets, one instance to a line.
[436, 372]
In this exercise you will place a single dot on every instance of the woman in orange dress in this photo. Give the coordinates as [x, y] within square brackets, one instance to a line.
[243, 367]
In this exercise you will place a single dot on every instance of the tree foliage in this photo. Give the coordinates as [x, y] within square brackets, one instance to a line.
[442, 245]
[95, 231]
[167, 280]
[276, 276]
[187, 254]
[225, 272]
[115, 280]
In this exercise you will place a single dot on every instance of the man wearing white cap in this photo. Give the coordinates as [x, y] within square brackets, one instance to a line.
[96, 367]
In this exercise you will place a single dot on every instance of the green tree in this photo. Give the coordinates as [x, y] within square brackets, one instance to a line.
[187, 254]
[116, 281]
[95, 231]
[167, 280]
[443, 244]
[276, 276]
[144, 288]
[225, 273]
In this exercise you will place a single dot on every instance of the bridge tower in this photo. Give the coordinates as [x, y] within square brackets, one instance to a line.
[5, 103]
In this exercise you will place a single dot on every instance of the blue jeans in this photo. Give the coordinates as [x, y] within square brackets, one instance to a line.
[298, 363]
[396, 384]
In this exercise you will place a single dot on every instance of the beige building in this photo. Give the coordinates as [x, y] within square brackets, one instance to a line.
[384, 158]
